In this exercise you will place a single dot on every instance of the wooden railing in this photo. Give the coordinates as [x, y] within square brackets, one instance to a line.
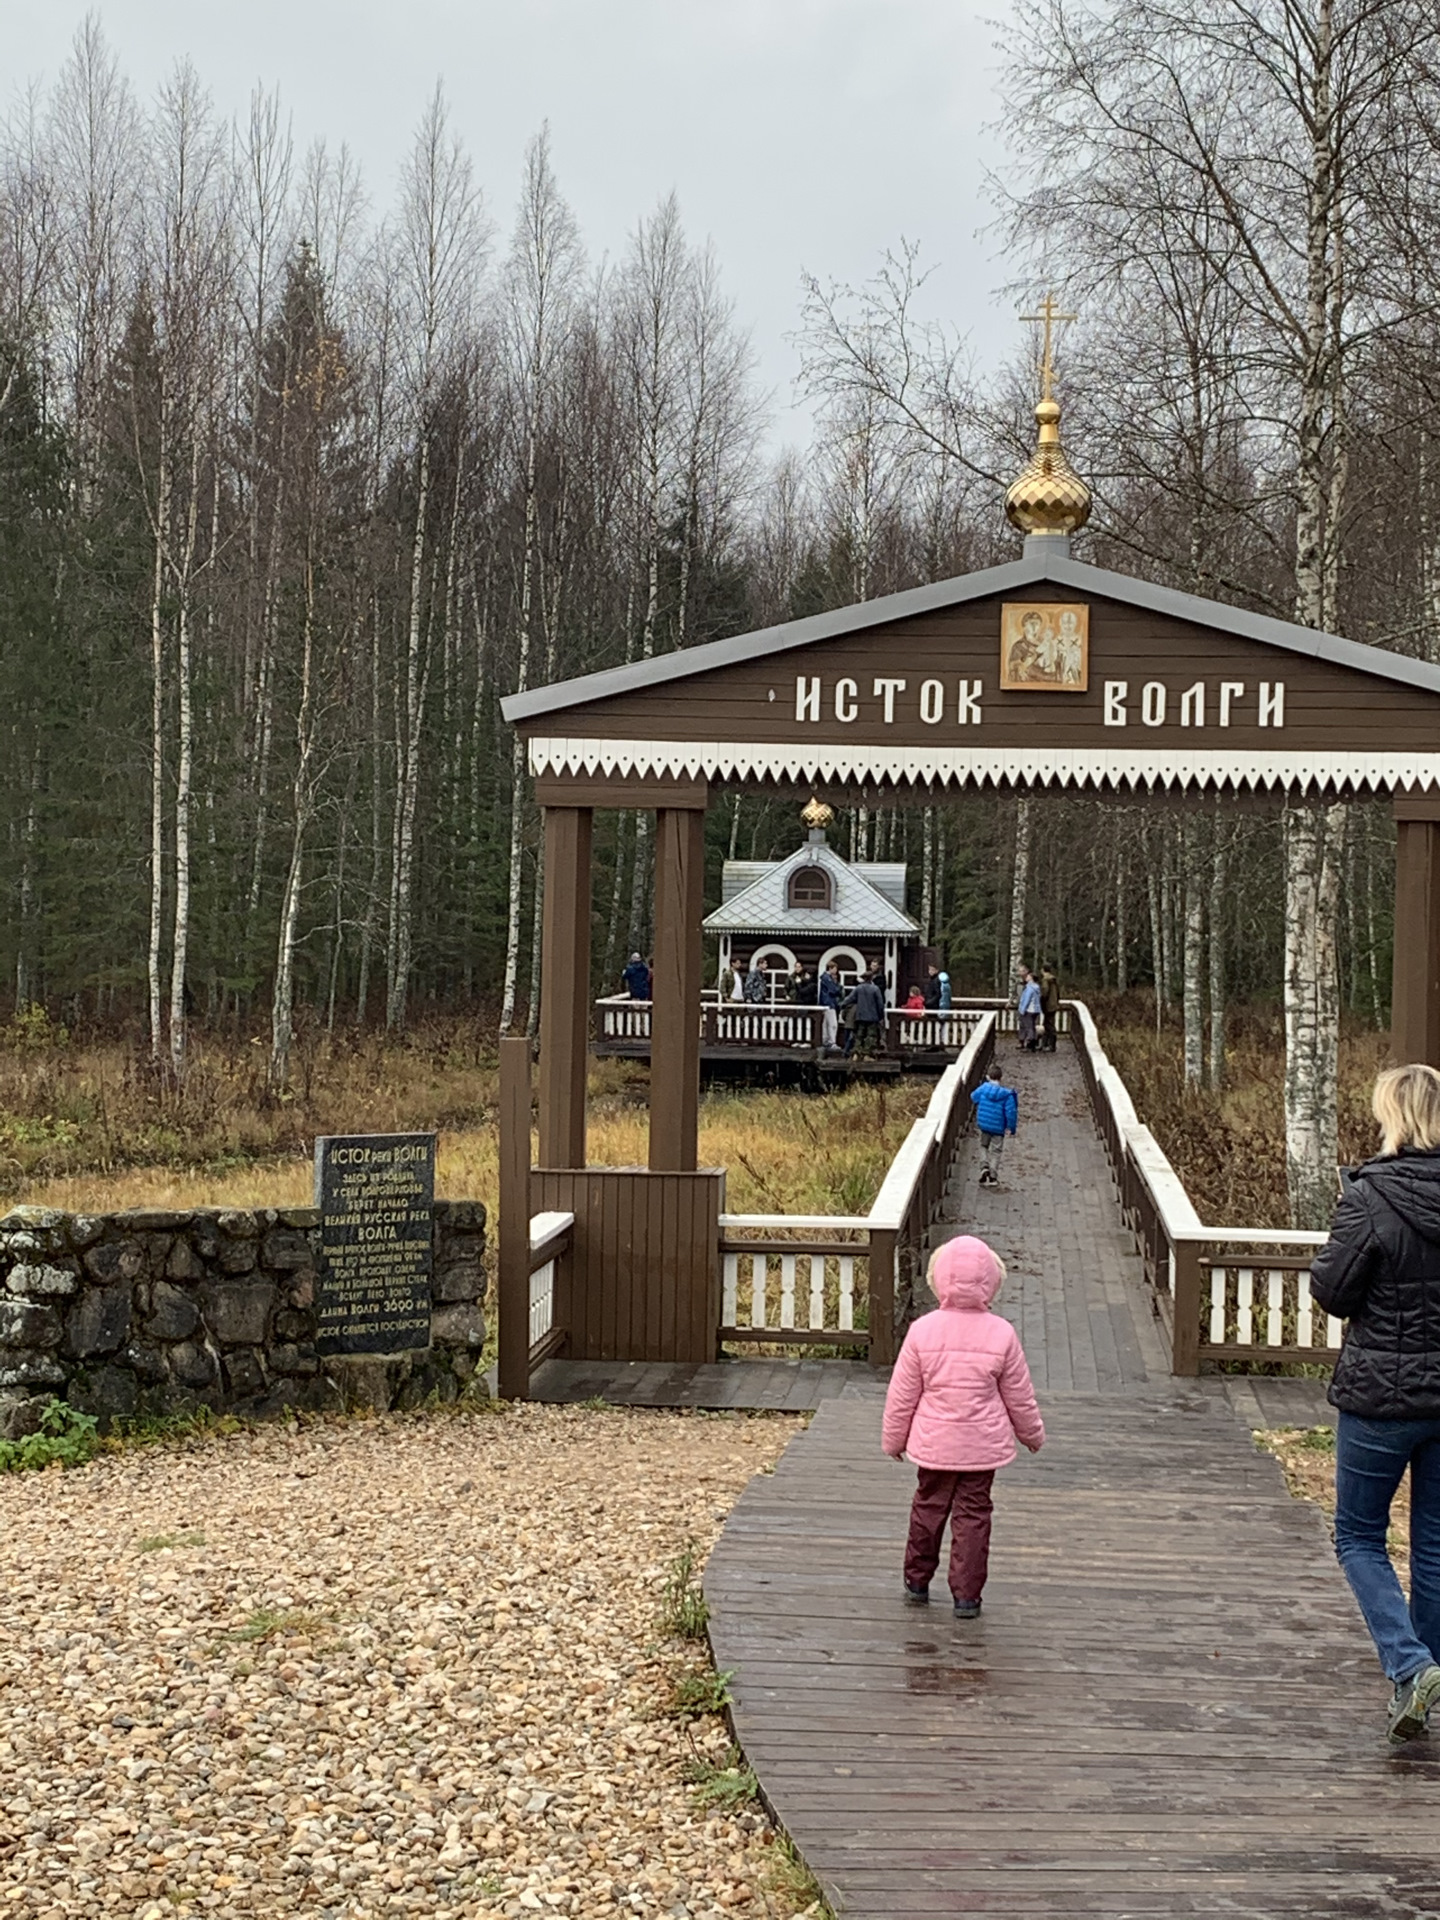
[1225, 1293]
[620, 1020]
[551, 1237]
[846, 1279]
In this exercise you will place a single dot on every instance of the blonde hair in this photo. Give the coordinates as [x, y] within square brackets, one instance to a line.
[1407, 1105]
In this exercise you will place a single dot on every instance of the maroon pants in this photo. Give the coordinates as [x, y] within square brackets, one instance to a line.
[964, 1500]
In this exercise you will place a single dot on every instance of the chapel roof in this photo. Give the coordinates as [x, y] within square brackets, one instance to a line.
[860, 906]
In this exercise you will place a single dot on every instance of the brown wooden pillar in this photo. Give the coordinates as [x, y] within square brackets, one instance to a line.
[565, 986]
[675, 1014]
[1415, 990]
[512, 1291]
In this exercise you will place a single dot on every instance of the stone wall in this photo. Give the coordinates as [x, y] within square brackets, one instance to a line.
[133, 1313]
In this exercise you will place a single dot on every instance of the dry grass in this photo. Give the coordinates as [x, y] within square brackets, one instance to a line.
[90, 1127]
[1229, 1147]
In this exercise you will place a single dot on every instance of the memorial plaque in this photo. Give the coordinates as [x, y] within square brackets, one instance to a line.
[376, 1195]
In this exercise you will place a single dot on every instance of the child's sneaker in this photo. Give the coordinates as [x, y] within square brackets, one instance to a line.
[1411, 1702]
[967, 1609]
[917, 1596]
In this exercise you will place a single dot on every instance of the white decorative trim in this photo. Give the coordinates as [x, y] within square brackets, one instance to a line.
[986, 766]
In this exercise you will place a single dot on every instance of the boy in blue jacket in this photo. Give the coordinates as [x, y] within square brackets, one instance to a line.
[996, 1112]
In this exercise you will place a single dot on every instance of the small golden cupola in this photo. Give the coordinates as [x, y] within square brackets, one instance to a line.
[1049, 498]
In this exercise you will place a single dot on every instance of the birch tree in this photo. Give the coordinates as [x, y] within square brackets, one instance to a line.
[1284, 142]
[541, 286]
[438, 251]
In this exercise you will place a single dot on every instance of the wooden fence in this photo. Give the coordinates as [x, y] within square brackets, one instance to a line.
[846, 1279]
[1225, 1293]
[621, 1022]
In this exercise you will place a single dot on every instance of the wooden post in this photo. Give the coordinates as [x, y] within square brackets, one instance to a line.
[512, 1293]
[1415, 979]
[1186, 1332]
[675, 1013]
[565, 986]
[882, 1297]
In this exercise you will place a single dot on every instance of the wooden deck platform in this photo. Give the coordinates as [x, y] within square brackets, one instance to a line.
[1169, 1706]
[756, 1386]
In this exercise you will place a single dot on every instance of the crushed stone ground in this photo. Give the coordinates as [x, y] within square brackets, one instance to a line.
[406, 1666]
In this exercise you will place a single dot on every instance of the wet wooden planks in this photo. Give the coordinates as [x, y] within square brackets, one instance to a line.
[776, 1386]
[1168, 1708]
[1074, 1287]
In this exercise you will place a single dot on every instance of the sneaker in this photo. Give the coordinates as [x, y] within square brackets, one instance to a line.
[967, 1609]
[917, 1596]
[1411, 1702]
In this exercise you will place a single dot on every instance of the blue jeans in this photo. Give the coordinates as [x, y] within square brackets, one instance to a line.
[1371, 1457]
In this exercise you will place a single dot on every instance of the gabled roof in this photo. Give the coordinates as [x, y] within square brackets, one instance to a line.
[886, 876]
[860, 907]
[1035, 566]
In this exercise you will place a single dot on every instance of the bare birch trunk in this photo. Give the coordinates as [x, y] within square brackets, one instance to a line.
[282, 1006]
[1019, 889]
[1217, 962]
[157, 756]
[1312, 838]
[1193, 958]
[1122, 881]
[927, 880]
[407, 800]
[184, 774]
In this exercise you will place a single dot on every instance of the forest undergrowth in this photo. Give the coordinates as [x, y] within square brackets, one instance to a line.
[87, 1124]
[1228, 1146]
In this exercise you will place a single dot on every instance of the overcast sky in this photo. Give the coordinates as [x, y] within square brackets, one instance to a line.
[797, 133]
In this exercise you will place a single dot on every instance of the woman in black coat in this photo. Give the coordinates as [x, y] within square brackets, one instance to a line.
[1380, 1271]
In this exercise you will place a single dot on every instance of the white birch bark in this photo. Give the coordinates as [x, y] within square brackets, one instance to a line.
[1218, 867]
[1312, 1012]
[1019, 893]
[1193, 957]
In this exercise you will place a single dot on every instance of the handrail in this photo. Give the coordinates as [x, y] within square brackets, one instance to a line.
[1173, 1240]
[895, 1229]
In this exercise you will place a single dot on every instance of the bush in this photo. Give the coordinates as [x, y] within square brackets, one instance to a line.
[66, 1438]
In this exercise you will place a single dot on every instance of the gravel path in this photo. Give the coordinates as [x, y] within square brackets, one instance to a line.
[397, 1667]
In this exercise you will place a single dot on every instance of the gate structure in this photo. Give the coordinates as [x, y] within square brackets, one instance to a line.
[1045, 674]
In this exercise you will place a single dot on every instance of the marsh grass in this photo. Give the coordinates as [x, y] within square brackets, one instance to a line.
[102, 1133]
[1229, 1147]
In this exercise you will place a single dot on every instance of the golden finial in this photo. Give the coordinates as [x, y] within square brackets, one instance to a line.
[1049, 496]
[817, 816]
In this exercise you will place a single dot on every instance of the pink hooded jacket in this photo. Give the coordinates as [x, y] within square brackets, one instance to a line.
[961, 1390]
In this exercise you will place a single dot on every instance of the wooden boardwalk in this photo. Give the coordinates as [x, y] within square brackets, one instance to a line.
[1169, 1706]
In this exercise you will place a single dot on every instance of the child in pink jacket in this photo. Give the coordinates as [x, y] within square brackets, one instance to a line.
[959, 1397]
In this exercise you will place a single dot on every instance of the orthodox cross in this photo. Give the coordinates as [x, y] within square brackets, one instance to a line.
[1049, 313]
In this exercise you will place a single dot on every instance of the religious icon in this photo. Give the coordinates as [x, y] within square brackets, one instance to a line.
[1045, 648]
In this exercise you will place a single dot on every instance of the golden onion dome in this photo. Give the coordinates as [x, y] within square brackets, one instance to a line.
[1049, 496]
[817, 816]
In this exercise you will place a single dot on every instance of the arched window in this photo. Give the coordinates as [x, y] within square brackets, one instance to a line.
[808, 888]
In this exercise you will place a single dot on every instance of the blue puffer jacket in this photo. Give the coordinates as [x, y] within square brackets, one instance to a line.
[996, 1108]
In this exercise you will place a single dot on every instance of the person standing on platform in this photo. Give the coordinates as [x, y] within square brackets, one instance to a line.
[757, 984]
[958, 1400]
[1380, 1272]
[636, 978]
[867, 997]
[997, 1112]
[931, 989]
[1029, 1010]
[830, 993]
[1049, 1009]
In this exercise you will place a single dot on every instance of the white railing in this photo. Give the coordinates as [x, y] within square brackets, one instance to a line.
[1252, 1303]
[621, 1018]
[933, 1031]
[796, 1278]
[550, 1235]
[735, 1023]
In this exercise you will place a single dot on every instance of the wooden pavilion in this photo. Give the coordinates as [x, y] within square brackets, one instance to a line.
[1042, 675]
